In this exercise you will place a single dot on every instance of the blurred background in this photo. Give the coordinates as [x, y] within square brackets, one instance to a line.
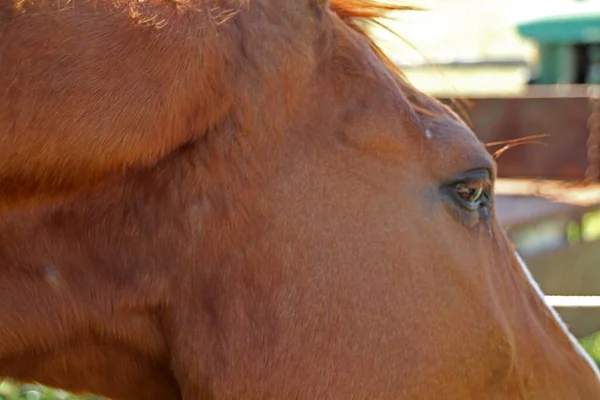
[476, 46]
[524, 74]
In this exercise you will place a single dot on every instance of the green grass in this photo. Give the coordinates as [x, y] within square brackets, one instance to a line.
[591, 344]
[13, 391]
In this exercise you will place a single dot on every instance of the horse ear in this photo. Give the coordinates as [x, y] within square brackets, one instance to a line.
[106, 92]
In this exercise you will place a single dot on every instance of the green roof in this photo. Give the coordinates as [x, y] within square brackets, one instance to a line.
[582, 27]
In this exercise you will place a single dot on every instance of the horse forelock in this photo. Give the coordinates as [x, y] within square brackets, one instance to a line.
[358, 14]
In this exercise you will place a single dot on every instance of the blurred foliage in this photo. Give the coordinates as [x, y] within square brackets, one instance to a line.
[13, 391]
[591, 344]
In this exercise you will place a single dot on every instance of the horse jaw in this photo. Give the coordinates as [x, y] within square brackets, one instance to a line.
[576, 346]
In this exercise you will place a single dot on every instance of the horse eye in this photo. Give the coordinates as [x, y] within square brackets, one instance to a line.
[470, 192]
[473, 194]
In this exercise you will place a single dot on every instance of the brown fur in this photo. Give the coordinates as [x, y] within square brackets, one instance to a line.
[238, 199]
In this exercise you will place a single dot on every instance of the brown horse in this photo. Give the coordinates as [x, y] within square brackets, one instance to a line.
[219, 199]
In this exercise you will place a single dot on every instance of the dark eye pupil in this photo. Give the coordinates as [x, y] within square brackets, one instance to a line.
[470, 192]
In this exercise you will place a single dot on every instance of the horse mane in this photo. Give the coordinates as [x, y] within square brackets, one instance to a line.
[88, 152]
[358, 15]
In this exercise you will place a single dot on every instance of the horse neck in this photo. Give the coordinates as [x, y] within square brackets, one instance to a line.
[84, 285]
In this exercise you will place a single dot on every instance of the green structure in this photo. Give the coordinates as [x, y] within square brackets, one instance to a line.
[569, 45]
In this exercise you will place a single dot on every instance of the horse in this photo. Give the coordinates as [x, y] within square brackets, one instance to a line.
[219, 199]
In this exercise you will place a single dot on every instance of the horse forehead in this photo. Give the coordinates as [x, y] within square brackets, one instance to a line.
[445, 126]
[454, 143]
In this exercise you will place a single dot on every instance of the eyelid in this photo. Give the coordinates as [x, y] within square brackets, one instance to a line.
[473, 175]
